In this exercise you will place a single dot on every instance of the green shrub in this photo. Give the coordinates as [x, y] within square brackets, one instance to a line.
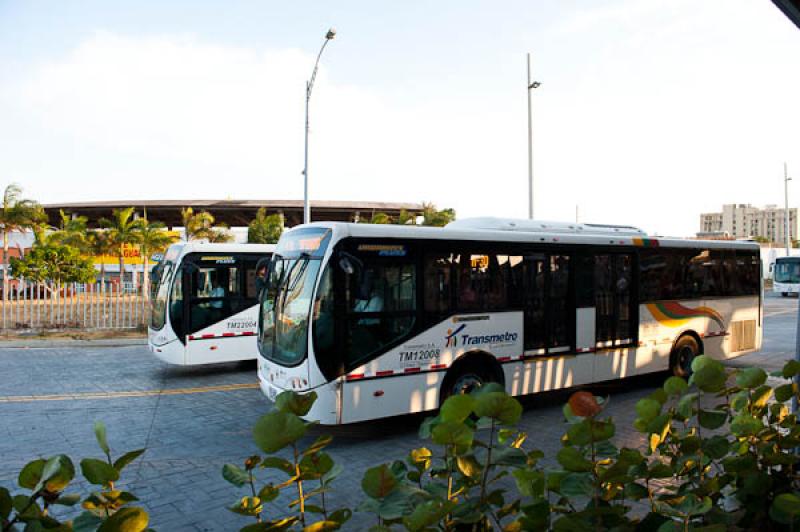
[46, 480]
[283, 428]
[456, 485]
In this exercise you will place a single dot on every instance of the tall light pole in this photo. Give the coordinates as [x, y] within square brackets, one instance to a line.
[531, 85]
[309, 86]
[786, 226]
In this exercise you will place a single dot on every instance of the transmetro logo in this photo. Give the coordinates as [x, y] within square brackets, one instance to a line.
[452, 339]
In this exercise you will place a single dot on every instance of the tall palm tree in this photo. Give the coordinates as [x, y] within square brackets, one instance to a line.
[197, 225]
[16, 214]
[153, 238]
[122, 230]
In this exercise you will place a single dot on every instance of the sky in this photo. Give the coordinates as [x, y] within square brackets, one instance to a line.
[649, 111]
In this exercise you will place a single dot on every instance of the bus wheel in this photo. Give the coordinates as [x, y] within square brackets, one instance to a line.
[784, 294]
[465, 380]
[684, 352]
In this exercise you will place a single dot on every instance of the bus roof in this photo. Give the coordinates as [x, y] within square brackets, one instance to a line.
[182, 248]
[616, 236]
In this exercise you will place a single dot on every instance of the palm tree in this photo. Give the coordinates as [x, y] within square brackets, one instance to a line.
[122, 230]
[16, 214]
[197, 226]
[99, 245]
[406, 218]
[153, 238]
[220, 235]
[264, 229]
[380, 218]
[73, 232]
[432, 216]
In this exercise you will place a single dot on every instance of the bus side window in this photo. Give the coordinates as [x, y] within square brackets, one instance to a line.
[438, 283]
[380, 312]
[584, 281]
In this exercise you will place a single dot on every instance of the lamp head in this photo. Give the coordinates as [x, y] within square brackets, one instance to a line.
[331, 34]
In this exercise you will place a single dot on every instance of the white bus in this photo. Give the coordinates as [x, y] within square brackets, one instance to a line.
[786, 276]
[205, 302]
[384, 320]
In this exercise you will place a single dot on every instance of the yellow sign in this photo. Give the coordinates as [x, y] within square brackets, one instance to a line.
[130, 253]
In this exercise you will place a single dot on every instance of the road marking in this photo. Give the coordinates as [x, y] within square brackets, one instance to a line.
[135, 393]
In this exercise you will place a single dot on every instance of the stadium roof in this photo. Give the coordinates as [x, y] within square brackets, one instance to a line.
[230, 212]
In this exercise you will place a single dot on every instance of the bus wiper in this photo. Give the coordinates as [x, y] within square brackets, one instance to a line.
[299, 275]
[290, 277]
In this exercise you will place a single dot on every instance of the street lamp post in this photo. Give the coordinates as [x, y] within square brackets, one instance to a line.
[531, 85]
[309, 86]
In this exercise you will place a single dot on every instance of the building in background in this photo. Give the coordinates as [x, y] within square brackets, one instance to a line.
[746, 221]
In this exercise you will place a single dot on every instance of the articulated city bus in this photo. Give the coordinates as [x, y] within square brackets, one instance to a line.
[786, 276]
[205, 302]
[384, 320]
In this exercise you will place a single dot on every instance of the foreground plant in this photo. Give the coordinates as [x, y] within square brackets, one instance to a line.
[726, 447]
[455, 487]
[46, 481]
[308, 472]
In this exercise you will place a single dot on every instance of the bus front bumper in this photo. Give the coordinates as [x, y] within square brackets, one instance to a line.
[324, 408]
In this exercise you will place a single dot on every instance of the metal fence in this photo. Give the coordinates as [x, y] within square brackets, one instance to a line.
[42, 306]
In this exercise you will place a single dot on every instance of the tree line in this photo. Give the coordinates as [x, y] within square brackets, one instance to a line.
[64, 254]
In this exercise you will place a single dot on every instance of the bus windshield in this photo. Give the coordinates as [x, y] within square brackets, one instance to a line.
[160, 290]
[787, 271]
[285, 309]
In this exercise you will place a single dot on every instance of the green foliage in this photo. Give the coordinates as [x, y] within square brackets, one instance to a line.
[17, 213]
[72, 232]
[44, 482]
[431, 216]
[53, 262]
[308, 472]
[720, 456]
[380, 218]
[743, 477]
[265, 229]
[457, 486]
[200, 226]
[437, 218]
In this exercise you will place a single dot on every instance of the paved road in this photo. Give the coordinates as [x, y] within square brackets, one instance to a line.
[204, 420]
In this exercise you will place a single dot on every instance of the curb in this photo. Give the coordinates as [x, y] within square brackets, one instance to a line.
[65, 342]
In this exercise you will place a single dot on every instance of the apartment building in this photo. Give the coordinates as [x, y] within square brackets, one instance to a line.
[746, 221]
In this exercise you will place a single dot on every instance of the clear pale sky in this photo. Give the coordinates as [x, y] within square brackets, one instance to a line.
[650, 112]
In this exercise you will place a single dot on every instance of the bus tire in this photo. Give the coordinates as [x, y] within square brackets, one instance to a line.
[468, 374]
[683, 353]
[784, 294]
